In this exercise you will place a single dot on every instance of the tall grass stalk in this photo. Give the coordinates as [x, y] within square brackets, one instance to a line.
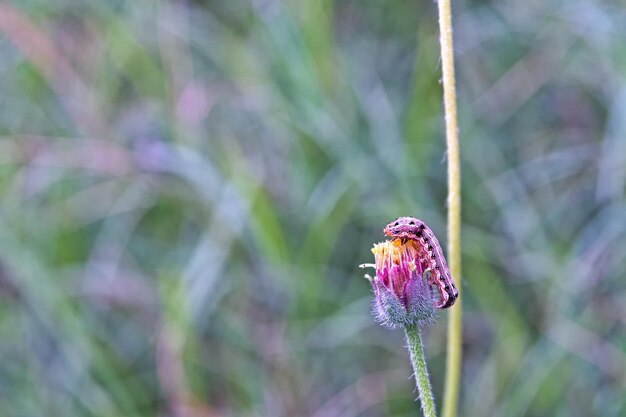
[453, 361]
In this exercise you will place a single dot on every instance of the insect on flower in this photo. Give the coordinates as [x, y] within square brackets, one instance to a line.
[412, 229]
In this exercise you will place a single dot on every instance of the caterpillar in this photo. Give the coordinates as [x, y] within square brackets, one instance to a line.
[416, 230]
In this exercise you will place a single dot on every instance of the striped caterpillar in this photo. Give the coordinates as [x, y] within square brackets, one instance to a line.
[416, 230]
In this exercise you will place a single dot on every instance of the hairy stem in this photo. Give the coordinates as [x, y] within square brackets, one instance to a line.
[421, 372]
[453, 360]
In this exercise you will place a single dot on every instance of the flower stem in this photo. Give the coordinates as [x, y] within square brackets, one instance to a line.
[421, 372]
[453, 360]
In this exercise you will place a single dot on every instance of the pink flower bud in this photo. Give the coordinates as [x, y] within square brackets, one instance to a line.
[402, 296]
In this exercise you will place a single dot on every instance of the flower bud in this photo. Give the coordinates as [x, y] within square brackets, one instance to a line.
[401, 293]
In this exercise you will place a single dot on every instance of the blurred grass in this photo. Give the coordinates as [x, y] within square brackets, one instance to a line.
[188, 187]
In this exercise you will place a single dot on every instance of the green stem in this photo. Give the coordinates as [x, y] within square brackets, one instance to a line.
[421, 372]
[453, 360]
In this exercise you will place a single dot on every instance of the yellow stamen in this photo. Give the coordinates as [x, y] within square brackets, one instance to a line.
[391, 251]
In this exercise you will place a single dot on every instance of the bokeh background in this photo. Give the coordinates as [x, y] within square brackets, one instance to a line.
[187, 188]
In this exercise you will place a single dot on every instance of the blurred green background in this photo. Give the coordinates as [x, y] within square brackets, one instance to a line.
[188, 187]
